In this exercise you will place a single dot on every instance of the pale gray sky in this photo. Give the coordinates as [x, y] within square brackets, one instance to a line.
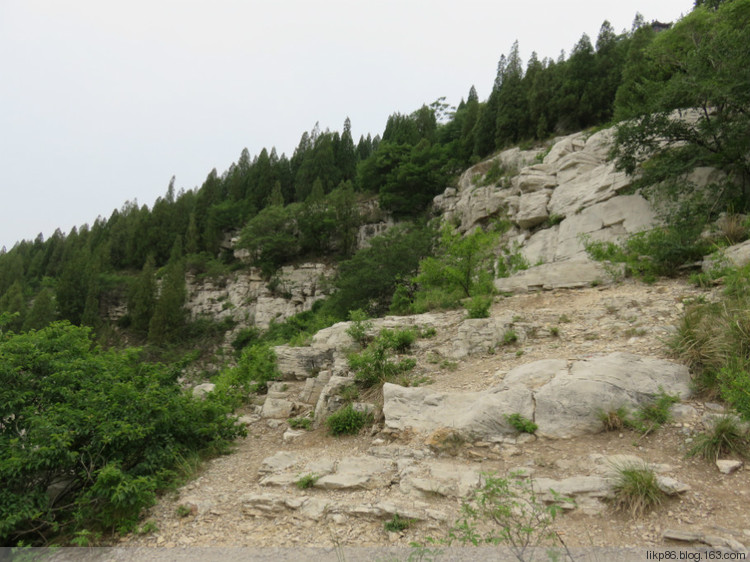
[103, 101]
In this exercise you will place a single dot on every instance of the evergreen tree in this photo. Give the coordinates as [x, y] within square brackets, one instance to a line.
[42, 311]
[142, 298]
[169, 312]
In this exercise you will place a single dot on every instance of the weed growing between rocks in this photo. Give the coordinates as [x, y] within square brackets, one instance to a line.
[521, 424]
[613, 420]
[300, 423]
[307, 481]
[508, 511]
[652, 416]
[397, 524]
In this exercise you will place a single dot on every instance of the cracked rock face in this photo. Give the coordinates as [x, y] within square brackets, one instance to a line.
[563, 399]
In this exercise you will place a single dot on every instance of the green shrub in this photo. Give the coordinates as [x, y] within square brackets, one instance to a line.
[724, 437]
[111, 428]
[520, 423]
[510, 337]
[300, 423]
[374, 365]
[255, 369]
[479, 306]
[360, 327]
[347, 421]
[399, 340]
[245, 337]
[654, 253]
[636, 490]
[507, 511]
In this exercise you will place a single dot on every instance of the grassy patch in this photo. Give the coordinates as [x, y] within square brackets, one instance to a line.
[636, 490]
[724, 437]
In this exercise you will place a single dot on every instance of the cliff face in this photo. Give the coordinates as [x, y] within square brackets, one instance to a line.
[252, 301]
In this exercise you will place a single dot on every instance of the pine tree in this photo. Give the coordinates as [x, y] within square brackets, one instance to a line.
[42, 311]
[169, 311]
[142, 298]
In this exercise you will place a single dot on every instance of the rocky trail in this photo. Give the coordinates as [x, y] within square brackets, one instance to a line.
[249, 497]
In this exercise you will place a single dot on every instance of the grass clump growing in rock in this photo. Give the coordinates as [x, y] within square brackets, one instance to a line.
[636, 490]
[521, 424]
[613, 420]
[306, 481]
[300, 423]
[653, 415]
[397, 524]
[724, 437]
[347, 421]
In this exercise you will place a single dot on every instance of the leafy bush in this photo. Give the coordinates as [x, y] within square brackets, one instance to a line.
[724, 437]
[654, 253]
[300, 423]
[636, 490]
[245, 337]
[255, 369]
[103, 429]
[461, 268]
[347, 421]
[479, 307]
[520, 423]
[360, 327]
[374, 365]
[507, 511]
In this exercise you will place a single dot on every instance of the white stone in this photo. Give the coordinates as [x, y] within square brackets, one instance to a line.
[726, 466]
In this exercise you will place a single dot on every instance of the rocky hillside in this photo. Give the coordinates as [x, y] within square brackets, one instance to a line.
[567, 348]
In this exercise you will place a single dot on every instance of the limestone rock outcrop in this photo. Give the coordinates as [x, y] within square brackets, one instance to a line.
[562, 399]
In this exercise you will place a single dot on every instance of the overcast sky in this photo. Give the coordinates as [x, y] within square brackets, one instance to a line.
[103, 102]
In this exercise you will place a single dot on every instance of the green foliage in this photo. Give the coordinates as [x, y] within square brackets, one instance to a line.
[270, 238]
[461, 267]
[654, 253]
[636, 490]
[398, 524]
[510, 337]
[507, 511]
[103, 429]
[374, 365]
[245, 337]
[169, 313]
[479, 306]
[714, 340]
[652, 415]
[511, 261]
[306, 481]
[255, 369]
[613, 420]
[520, 423]
[367, 281]
[360, 327]
[300, 423]
[724, 437]
[701, 63]
[347, 421]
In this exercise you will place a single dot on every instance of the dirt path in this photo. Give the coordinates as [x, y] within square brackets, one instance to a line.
[571, 324]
